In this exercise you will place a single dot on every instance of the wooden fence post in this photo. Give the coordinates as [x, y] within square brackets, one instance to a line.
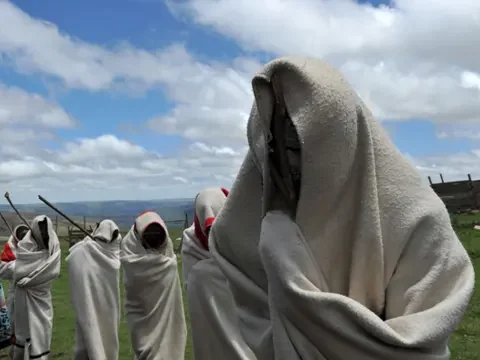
[475, 197]
[441, 178]
[85, 222]
[430, 181]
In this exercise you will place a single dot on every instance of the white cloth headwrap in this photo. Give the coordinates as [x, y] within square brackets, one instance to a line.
[94, 278]
[35, 271]
[153, 296]
[370, 239]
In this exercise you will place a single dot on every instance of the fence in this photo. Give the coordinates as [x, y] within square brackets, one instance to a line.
[458, 196]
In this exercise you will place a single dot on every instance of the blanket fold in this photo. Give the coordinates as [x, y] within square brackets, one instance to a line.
[153, 298]
[35, 269]
[213, 317]
[7, 267]
[367, 265]
[94, 278]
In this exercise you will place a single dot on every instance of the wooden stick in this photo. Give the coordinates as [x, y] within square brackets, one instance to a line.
[8, 225]
[7, 196]
[46, 202]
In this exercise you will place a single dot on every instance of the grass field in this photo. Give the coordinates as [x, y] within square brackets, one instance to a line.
[465, 344]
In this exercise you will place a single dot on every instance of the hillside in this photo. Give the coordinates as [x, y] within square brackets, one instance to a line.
[122, 212]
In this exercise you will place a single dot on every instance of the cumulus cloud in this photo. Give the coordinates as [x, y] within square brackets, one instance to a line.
[112, 168]
[411, 59]
[18, 107]
[451, 166]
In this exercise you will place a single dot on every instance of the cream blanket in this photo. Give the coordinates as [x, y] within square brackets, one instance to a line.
[369, 266]
[208, 204]
[35, 269]
[94, 276]
[7, 269]
[214, 324]
[153, 296]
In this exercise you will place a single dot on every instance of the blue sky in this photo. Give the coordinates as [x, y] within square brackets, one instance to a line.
[215, 38]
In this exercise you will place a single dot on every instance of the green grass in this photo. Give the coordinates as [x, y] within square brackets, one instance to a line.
[465, 343]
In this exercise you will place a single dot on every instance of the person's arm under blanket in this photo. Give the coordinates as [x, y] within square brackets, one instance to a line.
[425, 299]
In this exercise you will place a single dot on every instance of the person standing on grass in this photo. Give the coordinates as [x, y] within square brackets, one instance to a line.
[333, 245]
[153, 294]
[215, 331]
[7, 268]
[94, 278]
[36, 266]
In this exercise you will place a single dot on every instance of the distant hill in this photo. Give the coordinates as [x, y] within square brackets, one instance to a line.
[122, 212]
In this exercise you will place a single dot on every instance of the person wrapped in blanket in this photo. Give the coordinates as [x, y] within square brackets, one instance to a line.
[333, 245]
[7, 267]
[153, 295]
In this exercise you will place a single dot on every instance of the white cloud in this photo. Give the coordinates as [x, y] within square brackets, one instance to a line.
[111, 168]
[451, 166]
[415, 60]
[17, 107]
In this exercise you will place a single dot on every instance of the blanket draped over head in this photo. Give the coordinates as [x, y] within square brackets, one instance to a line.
[214, 325]
[369, 267]
[7, 268]
[35, 269]
[94, 277]
[153, 295]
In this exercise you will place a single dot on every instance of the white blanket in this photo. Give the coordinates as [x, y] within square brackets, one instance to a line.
[35, 271]
[94, 276]
[370, 267]
[7, 270]
[208, 204]
[153, 296]
[214, 323]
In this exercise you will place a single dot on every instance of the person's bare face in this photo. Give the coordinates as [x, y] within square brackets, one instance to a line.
[154, 236]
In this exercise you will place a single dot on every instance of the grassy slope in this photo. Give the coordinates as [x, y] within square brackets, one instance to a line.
[465, 343]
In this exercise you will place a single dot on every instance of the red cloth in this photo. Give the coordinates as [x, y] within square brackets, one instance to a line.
[7, 254]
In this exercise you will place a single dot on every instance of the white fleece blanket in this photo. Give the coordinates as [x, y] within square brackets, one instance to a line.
[214, 324]
[94, 278]
[208, 204]
[35, 271]
[369, 267]
[153, 296]
[7, 270]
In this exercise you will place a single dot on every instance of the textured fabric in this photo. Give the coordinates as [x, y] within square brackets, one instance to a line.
[94, 277]
[214, 324]
[7, 268]
[35, 271]
[153, 295]
[368, 266]
[207, 205]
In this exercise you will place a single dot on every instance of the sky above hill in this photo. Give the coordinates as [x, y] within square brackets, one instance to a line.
[142, 99]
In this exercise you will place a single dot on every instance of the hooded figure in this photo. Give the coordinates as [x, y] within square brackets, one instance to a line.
[153, 294]
[37, 265]
[7, 266]
[94, 278]
[332, 244]
[214, 325]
